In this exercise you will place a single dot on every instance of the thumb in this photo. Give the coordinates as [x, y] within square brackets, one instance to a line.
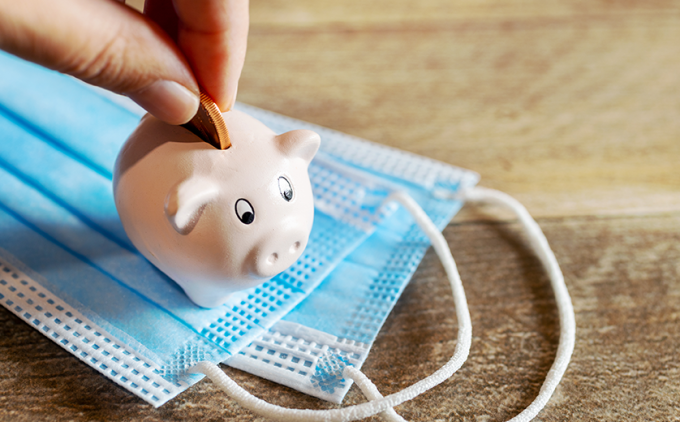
[106, 44]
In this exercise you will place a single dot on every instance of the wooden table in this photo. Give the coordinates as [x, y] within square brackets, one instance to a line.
[572, 106]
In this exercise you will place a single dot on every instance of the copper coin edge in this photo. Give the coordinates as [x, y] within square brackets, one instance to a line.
[217, 120]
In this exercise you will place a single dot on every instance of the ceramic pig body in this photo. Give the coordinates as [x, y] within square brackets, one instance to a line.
[216, 221]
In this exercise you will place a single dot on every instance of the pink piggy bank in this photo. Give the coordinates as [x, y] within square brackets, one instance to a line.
[216, 221]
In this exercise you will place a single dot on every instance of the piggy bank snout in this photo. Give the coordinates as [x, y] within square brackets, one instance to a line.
[278, 252]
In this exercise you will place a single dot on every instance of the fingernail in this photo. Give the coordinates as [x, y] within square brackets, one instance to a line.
[231, 102]
[167, 101]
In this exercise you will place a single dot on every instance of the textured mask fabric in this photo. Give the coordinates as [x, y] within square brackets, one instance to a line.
[67, 268]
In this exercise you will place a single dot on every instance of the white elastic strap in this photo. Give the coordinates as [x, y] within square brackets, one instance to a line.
[359, 411]
[371, 392]
[378, 404]
[565, 309]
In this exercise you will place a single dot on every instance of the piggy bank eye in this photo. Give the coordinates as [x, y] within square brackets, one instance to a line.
[245, 211]
[285, 188]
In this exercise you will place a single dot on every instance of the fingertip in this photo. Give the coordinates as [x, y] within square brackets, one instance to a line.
[168, 101]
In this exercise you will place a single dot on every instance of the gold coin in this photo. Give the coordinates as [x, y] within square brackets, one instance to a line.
[208, 124]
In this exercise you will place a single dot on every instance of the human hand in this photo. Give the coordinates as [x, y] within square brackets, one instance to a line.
[110, 45]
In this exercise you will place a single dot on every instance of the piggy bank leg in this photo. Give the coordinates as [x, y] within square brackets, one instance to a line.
[205, 297]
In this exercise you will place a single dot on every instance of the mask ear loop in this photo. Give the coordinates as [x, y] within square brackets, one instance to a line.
[384, 404]
[565, 309]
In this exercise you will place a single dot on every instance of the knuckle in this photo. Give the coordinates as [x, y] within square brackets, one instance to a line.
[104, 64]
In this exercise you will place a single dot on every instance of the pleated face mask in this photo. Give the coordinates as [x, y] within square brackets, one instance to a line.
[70, 270]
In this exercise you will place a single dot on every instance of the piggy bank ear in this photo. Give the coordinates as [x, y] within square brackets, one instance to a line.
[187, 200]
[299, 144]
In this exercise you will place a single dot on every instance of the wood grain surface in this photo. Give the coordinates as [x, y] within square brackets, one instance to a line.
[572, 106]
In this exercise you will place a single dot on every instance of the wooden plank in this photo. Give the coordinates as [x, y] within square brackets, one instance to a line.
[624, 280]
[572, 116]
[361, 13]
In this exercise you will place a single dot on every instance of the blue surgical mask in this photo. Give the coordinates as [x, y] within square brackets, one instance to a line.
[69, 270]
